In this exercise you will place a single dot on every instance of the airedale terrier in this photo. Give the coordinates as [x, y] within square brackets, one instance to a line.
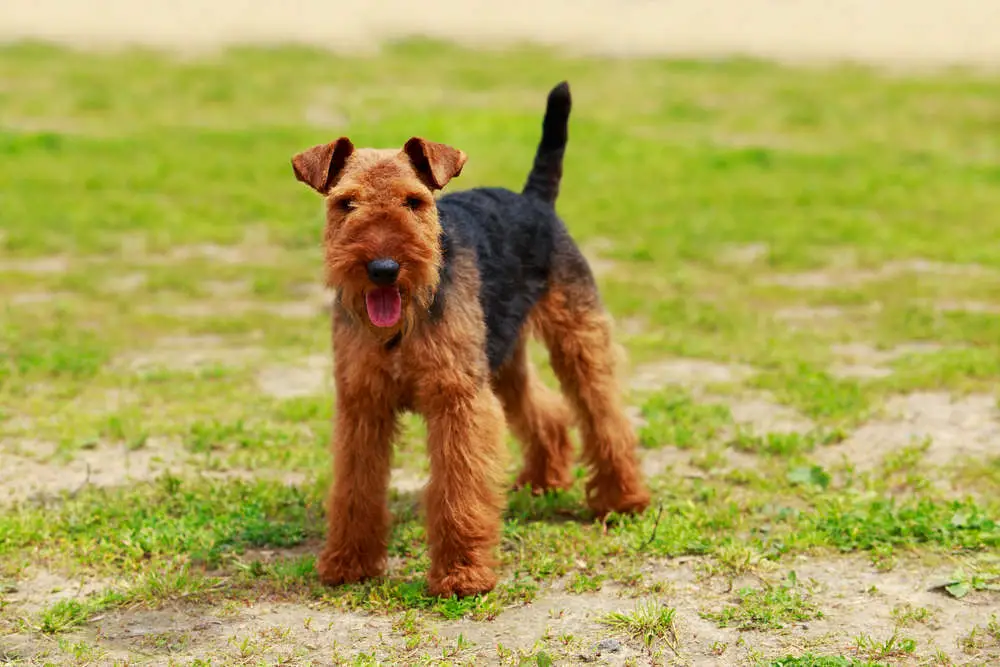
[435, 301]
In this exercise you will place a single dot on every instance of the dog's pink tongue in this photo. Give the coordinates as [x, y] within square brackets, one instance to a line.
[384, 306]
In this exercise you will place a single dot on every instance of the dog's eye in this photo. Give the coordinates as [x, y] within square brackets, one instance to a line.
[413, 203]
[346, 204]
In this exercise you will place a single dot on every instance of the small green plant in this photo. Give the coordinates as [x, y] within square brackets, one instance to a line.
[981, 638]
[962, 583]
[785, 444]
[892, 647]
[906, 615]
[809, 476]
[810, 660]
[649, 622]
[68, 614]
[768, 608]
[583, 582]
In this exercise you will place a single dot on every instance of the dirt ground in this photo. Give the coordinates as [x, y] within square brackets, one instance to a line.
[924, 32]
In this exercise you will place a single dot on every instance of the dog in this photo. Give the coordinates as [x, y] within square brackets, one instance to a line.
[436, 298]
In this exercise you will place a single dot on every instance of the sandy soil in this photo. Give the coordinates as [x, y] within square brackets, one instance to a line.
[889, 31]
[856, 600]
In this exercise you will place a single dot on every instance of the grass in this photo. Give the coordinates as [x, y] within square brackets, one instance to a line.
[768, 608]
[158, 274]
[649, 623]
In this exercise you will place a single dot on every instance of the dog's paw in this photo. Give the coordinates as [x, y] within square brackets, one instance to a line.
[463, 581]
[542, 481]
[605, 496]
[335, 569]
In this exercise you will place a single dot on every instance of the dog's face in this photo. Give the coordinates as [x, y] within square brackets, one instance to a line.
[382, 240]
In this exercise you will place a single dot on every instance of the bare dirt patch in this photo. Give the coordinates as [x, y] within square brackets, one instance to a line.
[761, 415]
[896, 31]
[32, 474]
[978, 307]
[692, 373]
[632, 326]
[254, 248]
[858, 600]
[863, 361]
[264, 632]
[38, 298]
[855, 600]
[126, 283]
[405, 480]
[845, 276]
[38, 589]
[595, 251]
[40, 265]
[681, 462]
[950, 427]
[743, 255]
[187, 353]
[292, 310]
[806, 314]
[313, 376]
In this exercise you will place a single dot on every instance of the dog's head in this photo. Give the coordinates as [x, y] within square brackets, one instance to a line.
[382, 240]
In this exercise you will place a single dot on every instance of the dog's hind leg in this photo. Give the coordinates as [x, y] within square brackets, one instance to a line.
[577, 332]
[539, 419]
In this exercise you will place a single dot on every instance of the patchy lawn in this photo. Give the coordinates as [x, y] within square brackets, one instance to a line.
[803, 266]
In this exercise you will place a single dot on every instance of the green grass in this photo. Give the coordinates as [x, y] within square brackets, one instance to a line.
[649, 623]
[768, 608]
[809, 660]
[158, 193]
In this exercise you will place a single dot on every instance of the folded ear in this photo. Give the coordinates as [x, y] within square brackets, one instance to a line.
[437, 163]
[320, 166]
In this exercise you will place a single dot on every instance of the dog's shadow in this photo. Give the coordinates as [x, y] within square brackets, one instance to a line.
[522, 506]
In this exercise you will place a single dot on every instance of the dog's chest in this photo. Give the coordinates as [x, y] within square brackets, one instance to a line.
[400, 374]
[396, 367]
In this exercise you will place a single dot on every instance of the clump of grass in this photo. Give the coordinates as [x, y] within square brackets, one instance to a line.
[981, 638]
[810, 660]
[786, 444]
[882, 649]
[769, 608]
[65, 615]
[586, 582]
[906, 615]
[675, 419]
[649, 622]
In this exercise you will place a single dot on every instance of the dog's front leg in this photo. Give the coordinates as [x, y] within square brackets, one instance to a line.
[464, 497]
[357, 512]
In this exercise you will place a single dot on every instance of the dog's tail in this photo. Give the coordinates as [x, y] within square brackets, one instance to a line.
[543, 181]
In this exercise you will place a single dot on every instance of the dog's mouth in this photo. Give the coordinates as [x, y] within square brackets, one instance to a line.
[385, 306]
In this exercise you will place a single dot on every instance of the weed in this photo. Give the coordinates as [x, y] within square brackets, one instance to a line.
[70, 613]
[981, 638]
[892, 647]
[906, 615]
[649, 622]
[771, 607]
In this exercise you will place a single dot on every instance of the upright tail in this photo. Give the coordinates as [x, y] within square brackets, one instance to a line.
[543, 181]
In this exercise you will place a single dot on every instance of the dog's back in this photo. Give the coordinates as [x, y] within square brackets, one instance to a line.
[515, 237]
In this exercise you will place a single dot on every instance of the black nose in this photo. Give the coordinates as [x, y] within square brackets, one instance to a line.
[383, 271]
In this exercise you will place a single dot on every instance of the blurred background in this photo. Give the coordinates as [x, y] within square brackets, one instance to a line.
[928, 31]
